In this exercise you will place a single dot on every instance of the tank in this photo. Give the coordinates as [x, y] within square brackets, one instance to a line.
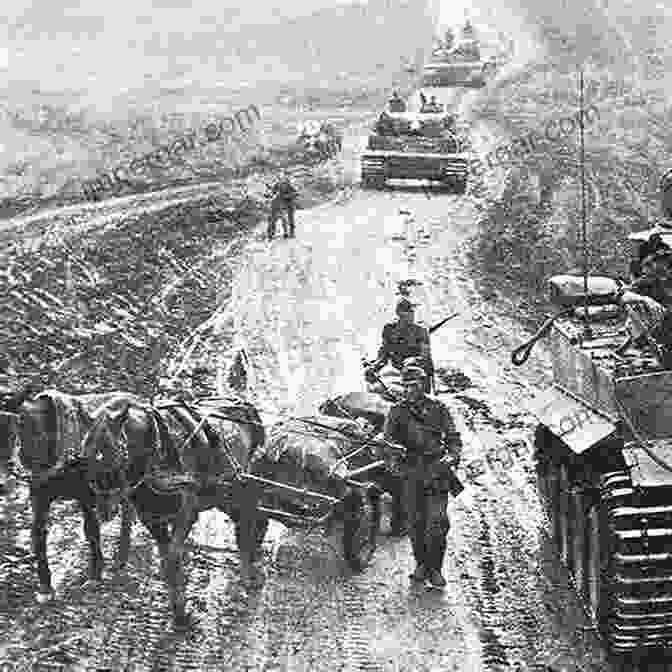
[319, 141]
[603, 453]
[458, 64]
[417, 146]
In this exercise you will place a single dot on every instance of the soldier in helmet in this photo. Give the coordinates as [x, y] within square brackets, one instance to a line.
[402, 339]
[283, 198]
[423, 441]
[396, 103]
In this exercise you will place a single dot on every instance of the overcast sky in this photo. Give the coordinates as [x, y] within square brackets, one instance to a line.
[69, 44]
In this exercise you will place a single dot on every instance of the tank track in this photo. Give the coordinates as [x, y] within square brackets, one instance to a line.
[616, 541]
[637, 527]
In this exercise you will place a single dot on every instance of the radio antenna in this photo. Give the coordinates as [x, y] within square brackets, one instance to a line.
[584, 219]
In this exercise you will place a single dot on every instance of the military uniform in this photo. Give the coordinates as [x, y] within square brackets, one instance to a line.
[426, 430]
[397, 104]
[401, 341]
[283, 200]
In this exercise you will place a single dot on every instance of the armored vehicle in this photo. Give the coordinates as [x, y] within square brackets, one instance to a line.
[415, 145]
[458, 64]
[319, 141]
[603, 451]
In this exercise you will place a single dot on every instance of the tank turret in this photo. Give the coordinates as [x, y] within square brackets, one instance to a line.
[603, 451]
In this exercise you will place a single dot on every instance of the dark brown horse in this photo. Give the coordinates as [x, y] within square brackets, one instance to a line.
[203, 450]
[44, 433]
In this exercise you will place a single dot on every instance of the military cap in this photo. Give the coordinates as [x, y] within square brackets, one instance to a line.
[413, 374]
[404, 305]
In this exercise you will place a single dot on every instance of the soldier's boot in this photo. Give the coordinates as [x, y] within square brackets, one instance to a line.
[270, 232]
[420, 573]
[436, 552]
[291, 222]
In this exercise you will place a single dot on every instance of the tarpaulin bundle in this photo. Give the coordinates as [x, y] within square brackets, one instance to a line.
[304, 451]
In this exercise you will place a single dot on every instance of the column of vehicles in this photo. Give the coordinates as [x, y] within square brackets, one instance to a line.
[418, 138]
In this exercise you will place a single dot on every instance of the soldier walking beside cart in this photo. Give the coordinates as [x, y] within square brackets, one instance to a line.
[428, 447]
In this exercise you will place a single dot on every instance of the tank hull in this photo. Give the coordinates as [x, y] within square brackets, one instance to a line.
[603, 451]
[378, 166]
[615, 539]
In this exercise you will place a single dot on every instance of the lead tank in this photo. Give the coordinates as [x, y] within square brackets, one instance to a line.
[416, 145]
[603, 449]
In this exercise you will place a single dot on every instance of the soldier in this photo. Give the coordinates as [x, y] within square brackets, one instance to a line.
[384, 125]
[653, 289]
[426, 447]
[396, 104]
[283, 198]
[433, 105]
[402, 339]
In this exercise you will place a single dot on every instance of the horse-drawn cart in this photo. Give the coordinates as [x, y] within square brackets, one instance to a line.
[309, 472]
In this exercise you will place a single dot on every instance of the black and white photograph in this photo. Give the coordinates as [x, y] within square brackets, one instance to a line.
[336, 336]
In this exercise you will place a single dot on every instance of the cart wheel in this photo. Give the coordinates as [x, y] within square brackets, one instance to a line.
[359, 531]
[260, 533]
[261, 526]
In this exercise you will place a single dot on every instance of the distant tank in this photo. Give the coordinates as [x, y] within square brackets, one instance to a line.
[458, 64]
[603, 450]
[321, 141]
[415, 145]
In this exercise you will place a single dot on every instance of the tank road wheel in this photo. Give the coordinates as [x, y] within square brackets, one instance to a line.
[563, 526]
[359, 530]
[260, 535]
[373, 182]
[460, 186]
[543, 466]
[596, 585]
[578, 540]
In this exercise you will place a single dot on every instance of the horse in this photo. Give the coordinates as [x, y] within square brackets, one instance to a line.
[204, 449]
[44, 433]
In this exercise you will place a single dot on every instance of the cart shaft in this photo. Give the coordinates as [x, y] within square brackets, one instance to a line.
[290, 488]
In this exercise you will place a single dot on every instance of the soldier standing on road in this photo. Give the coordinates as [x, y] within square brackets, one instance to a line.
[403, 339]
[429, 447]
[283, 199]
